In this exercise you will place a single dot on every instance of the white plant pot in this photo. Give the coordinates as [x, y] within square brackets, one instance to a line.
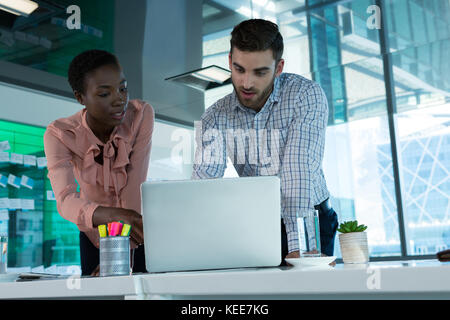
[354, 247]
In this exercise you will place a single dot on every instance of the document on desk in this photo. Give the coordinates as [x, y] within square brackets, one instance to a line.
[33, 276]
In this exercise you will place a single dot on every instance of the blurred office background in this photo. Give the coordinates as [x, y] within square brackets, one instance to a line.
[387, 157]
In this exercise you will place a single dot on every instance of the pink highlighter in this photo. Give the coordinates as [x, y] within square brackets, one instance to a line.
[113, 229]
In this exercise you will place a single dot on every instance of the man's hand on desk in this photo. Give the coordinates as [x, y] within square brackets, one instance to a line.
[296, 254]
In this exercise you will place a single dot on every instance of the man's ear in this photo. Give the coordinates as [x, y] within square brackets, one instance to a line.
[229, 60]
[79, 96]
[279, 67]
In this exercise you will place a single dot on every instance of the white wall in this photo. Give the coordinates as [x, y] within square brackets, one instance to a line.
[33, 107]
[36, 108]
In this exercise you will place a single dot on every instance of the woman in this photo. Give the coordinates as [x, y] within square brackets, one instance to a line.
[105, 147]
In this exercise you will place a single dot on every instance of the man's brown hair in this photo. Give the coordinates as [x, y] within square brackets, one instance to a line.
[257, 35]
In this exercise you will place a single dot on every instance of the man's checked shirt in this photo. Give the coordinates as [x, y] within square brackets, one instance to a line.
[285, 138]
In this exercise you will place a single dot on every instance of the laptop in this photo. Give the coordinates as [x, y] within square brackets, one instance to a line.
[211, 224]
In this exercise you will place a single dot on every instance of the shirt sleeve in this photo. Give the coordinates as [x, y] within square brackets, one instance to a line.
[139, 162]
[210, 154]
[60, 172]
[302, 159]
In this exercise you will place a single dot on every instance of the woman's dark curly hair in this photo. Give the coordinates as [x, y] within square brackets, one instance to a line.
[86, 62]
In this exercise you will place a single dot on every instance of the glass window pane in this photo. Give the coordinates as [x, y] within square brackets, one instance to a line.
[418, 27]
[424, 151]
[172, 152]
[358, 168]
[424, 154]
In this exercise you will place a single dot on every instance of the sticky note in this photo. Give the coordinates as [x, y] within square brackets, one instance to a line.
[27, 204]
[15, 204]
[4, 145]
[4, 203]
[4, 215]
[27, 182]
[14, 181]
[16, 158]
[4, 156]
[29, 160]
[41, 162]
[3, 180]
[50, 195]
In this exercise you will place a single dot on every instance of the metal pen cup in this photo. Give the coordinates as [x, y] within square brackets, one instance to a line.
[3, 254]
[114, 256]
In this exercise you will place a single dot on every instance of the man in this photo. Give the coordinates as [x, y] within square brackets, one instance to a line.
[272, 124]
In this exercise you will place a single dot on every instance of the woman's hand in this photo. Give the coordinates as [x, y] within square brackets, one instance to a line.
[105, 215]
[96, 271]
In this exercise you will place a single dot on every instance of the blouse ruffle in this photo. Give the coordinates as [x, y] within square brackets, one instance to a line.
[78, 137]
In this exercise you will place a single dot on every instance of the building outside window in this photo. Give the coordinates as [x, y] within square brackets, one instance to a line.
[337, 44]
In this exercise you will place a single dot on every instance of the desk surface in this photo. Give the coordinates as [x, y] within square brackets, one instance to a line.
[407, 279]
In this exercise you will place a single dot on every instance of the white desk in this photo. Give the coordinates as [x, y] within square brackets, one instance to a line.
[377, 280]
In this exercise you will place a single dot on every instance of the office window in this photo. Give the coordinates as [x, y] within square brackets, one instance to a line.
[331, 43]
[424, 149]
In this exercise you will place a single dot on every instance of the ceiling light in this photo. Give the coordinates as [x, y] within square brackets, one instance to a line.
[205, 78]
[18, 7]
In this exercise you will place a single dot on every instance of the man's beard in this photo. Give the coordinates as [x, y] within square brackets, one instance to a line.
[261, 98]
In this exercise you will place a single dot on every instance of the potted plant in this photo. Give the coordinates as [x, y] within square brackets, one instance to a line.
[353, 242]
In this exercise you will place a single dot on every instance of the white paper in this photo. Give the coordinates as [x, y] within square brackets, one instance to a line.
[29, 160]
[41, 162]
[4, 156]
[27, 182]
[27, 204]
[16, 158]
[4, 145]
[38, 269]
[3, 180]
[14, 181]
[4, 203]
[4, 215]
[15, 204]
[50, 195]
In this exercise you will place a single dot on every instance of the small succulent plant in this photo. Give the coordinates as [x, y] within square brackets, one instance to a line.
[351, 226]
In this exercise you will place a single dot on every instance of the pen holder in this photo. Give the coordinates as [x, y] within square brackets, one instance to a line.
[114, 256]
